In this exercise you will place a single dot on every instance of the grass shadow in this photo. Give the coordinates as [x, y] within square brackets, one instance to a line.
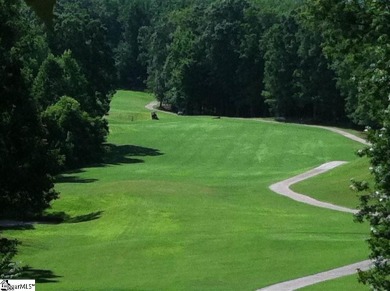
[70, 176]
[84, 218]
[114, 155]
[48, 218]
[62, 217]
[124, 154]
[16, 225]
[73, 179]
[39, 275]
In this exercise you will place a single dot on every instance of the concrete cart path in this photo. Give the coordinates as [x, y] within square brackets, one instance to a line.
[317, 278]
[283, 188]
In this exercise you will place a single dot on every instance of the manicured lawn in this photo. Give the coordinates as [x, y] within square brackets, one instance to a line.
[183, 204]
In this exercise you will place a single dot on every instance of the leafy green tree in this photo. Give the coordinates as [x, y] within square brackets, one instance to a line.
[72, 131]
[59, 76]
[76, 135]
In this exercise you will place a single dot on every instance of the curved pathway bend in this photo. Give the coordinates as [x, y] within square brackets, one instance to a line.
[343, 133]
[283, 188]
[152, 106]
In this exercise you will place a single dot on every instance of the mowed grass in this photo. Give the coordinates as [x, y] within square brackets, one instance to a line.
[183, 204]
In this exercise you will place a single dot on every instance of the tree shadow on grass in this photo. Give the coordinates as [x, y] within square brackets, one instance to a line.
[17, 225]
[62, 217]
[71, 176]
[114, 155]
[48, 218]
[124, 154]
[39, 275]
[73, 179]
[84, 218]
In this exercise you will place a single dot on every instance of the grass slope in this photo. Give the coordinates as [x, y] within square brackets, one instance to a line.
[183, 204]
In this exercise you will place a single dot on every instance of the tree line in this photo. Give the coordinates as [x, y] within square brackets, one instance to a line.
[315, 61]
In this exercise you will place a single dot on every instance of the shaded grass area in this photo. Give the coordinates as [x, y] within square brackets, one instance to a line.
[195, 212]
[334, 187]
[40, 276]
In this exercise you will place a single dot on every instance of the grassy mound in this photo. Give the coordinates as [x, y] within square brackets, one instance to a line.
[183, 203]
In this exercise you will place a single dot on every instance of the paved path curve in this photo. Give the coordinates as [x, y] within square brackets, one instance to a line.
[153, 106]
[283, 188]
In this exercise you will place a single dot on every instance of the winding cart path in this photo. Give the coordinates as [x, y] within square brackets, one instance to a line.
[283, 188]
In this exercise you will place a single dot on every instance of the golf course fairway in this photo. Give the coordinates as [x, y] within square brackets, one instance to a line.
[182, 203]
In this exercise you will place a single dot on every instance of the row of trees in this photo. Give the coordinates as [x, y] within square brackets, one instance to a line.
[224, 57]
[240, 58]
[244, 58]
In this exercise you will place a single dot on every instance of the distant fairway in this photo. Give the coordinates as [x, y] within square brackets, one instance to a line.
[183, 204]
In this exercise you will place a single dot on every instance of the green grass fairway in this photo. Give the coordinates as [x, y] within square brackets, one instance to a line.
[183, 203]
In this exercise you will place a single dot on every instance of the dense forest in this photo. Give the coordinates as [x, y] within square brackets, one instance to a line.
[324, 61]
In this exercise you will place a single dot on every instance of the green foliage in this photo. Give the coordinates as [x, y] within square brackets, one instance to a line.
[77, 136]
[130, 69]
[8, 268]
[298, 82]
[59, 76]
[206, 58]
[355, 39]
[375, 206]
[26, 186]
[43, 8]
[76, 28]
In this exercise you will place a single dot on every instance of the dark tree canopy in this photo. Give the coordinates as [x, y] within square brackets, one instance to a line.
[25, 162]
